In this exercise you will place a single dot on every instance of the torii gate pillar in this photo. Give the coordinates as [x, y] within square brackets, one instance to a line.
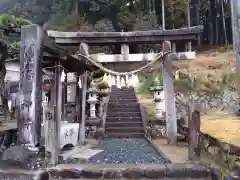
[168, 82]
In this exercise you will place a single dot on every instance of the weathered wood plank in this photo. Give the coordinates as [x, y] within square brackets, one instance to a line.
[153, 36]
[83, 113]
[108, 58]
[81, 134]
[192, 30]
[57, 103]
[171, 119]
[29, 122]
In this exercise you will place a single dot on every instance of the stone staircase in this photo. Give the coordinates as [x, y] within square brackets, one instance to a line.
[123, 115]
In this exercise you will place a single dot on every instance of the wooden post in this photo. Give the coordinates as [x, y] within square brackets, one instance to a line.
[171, 120]
[194, 133]
[48, 127]
[81, 133]
[57, 100]
[31, 53]
[125, 51]
[65, 113]
[77, 105]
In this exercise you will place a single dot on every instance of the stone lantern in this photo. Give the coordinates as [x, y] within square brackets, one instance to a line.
[158, 95]
[92, 100]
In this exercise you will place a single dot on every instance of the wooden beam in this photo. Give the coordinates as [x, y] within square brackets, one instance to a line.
[31, 53]
[171, 119]
[108, 58]
[182, 31]
[152, 36]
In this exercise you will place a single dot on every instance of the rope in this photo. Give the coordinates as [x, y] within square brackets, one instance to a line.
[106, 70]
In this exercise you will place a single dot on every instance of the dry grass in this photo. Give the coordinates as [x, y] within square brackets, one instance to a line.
[225, 128]
[209, 62]
[215, 63]
[149, 104]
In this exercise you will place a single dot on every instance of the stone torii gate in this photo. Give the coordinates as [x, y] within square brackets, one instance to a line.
[126, 39]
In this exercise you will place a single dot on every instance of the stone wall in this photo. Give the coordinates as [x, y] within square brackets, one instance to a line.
[142, 171]
[224, 102]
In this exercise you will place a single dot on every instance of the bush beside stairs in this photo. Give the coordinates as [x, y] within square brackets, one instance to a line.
[123, 115]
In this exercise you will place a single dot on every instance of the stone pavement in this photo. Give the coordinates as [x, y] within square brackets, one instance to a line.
[178, 153]
[11, 124]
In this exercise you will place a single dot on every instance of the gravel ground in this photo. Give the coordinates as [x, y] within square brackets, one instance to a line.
[126, 151]
[11, 176]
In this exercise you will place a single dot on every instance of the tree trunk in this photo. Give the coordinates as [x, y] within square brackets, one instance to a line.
[189, 23]
[210, 25]
[224, 23]
[198, 19]
[217, 24]
[163, 15]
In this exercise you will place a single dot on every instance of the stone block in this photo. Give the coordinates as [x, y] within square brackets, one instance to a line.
[133, 173]
[21, 157]
[54, 173]
[42, 175]
[70, 173]
[92, 173]
[154, 171]
[112, 173]
[182, 170]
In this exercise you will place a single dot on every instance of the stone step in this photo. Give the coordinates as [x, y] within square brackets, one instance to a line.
[123, 105]
[123, 109]
[123, 100]
[123, 119]
[124, 114]
[127, 129]
[122, 92]
[124, 124]
[123, 89]
[124, 135]
[123, 96]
